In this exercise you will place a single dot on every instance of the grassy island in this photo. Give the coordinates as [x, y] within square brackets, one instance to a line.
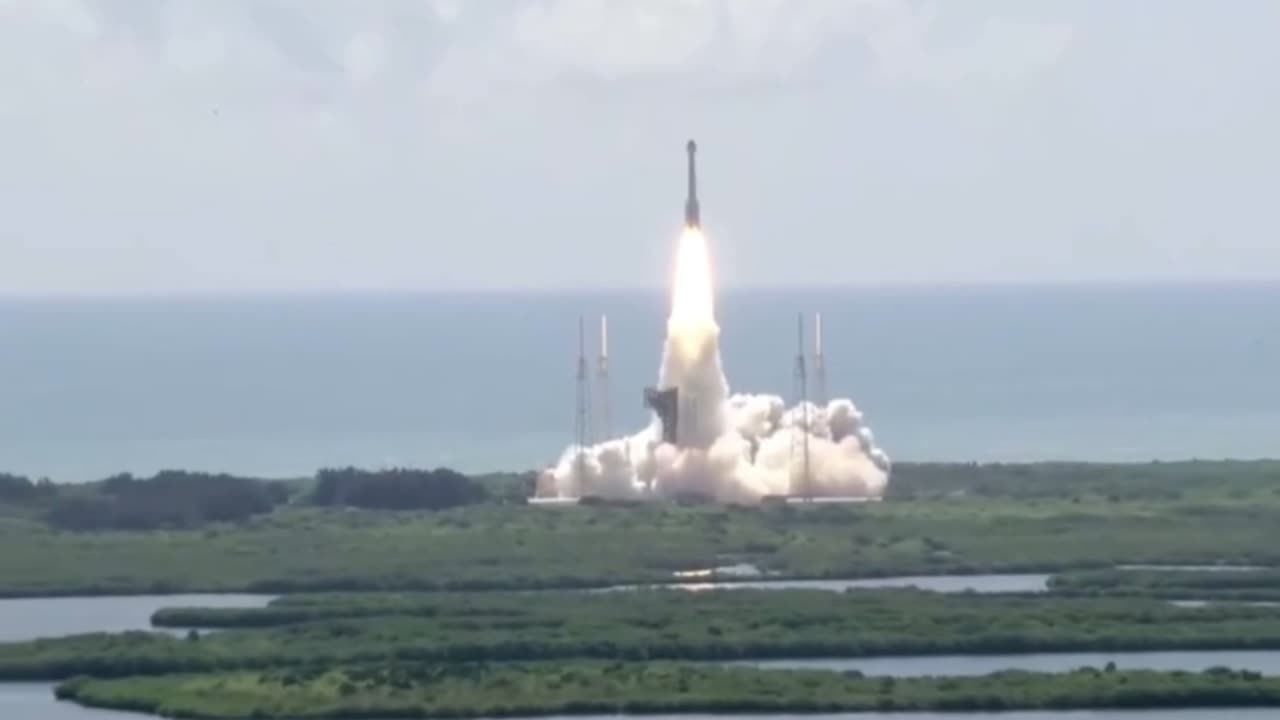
[428, 594]
[644, 625]
[474, 690]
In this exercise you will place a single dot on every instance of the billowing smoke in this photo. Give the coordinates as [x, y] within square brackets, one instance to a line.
[734, 448]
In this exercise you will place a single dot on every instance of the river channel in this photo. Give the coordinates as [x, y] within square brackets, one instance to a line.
[31, 618]
[50, 617]
[1005, 583]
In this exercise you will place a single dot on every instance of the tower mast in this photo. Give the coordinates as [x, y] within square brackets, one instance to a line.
[800, 436]
[582, 416]
[604, 423]
[819, 362]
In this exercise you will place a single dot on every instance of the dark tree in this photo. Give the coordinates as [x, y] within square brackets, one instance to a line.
[20, 490]
[397, 489]
[170, 499]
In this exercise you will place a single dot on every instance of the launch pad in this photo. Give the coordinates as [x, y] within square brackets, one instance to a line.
[703, 443]
[554, 501]
[766, 501]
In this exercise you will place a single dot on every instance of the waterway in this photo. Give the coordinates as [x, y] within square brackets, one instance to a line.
[1207, 603]
[47, 617]
[1002, 583]
[991, 583]
[31, 701]
[31, 618]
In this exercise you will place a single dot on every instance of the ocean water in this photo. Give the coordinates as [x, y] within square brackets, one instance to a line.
[283, 385]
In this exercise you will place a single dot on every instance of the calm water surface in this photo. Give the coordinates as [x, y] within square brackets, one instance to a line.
[22, 701]
[285, 385]
[30, 618]
[1006, 583]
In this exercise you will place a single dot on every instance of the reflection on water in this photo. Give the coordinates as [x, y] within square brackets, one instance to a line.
[30, 618]
[1263, 661]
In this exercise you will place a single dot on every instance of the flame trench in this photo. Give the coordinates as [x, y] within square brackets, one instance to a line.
[733, 448]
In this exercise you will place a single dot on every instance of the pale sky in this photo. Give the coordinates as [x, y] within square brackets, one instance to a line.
[282, 145]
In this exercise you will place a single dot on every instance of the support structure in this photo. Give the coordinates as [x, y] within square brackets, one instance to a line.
[800, 479]
[582, 416]
[689, 427]
[666, 405]
[603, 423]
[819, 363]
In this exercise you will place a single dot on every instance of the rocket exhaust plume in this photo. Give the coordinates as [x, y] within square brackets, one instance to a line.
[703, 440]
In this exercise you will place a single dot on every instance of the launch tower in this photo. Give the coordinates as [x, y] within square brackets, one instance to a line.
[819, 363]
[666, 405]
[582, 416]
[800, 479]
[603, 425]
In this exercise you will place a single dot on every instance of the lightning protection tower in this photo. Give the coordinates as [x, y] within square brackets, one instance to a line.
[800, 479]
[603, 423]
[819, 363]
[582, 417]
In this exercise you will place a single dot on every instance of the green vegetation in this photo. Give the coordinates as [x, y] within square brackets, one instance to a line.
[178, 500]
[645, 624]
[170, 499]
[1083, 481]
[941, 519]
[18, 490]
[396, 489]
[376, 644]
[1253, 585]
[476, 690]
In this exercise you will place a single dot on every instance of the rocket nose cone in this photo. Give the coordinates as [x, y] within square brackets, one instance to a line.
[691, 147]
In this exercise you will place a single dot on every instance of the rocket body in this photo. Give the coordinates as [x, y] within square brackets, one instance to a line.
[691, 213]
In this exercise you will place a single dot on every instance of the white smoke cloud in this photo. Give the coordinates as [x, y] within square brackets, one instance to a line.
[756, 454]
[734, 448]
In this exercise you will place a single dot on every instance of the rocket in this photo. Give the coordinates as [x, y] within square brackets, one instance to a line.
[691, 218]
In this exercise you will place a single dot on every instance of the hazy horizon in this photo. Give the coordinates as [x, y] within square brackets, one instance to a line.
[485, 381]
[656, 290]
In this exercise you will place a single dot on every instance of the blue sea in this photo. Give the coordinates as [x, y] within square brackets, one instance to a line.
[282, 385]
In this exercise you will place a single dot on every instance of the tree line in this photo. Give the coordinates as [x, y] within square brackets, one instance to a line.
[397, 489]
[179, 499]
[19, 490]
[1116, 482]
[171, 499]
[477, 689]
